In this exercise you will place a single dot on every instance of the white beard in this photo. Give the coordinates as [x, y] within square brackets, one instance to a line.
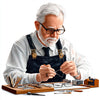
[48, 41]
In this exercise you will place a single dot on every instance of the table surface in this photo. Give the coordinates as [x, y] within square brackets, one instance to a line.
[88, 94]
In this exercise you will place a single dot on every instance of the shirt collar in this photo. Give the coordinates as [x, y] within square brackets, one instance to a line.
[38, 44]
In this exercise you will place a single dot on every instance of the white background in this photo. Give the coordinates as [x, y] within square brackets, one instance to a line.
[82, 24]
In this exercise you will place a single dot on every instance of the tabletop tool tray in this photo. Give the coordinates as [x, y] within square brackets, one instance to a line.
[23, 91]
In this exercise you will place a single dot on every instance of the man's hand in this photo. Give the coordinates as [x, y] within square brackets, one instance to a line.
[45, 73]
[69, 67]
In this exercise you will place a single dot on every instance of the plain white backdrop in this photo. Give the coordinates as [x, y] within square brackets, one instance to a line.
[82, 24]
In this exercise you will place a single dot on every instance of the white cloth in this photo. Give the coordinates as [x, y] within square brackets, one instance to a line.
[17, 60]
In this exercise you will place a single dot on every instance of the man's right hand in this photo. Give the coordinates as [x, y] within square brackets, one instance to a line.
[45, 73]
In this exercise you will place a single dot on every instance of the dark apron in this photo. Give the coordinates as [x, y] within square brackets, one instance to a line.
[34, 62]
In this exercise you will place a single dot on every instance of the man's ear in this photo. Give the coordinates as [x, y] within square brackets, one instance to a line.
[37, 25]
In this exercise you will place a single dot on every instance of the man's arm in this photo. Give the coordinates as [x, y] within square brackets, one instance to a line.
[76, 65]
[16, 64]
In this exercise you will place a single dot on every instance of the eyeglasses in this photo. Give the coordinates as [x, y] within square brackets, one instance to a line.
[58, 84]
[51, 30]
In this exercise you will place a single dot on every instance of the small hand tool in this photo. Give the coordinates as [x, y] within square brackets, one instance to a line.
[29, 93]
[17, 81]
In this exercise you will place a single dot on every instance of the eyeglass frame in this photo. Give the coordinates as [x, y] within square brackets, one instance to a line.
[53, 29]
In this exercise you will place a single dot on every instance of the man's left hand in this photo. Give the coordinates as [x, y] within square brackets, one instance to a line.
[69, 67]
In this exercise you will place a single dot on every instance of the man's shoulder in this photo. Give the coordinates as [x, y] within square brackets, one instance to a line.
[21, 40]
[64, 41]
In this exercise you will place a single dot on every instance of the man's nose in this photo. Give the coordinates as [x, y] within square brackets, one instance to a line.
[54, 34]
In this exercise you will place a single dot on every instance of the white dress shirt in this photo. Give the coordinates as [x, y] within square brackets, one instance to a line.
[17, 60]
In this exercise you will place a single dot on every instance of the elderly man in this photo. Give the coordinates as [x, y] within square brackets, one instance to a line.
[43, 56]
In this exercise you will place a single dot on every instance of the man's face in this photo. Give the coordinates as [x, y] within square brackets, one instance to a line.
[51, 22]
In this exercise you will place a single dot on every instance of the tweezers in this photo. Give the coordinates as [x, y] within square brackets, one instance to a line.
[58, 74]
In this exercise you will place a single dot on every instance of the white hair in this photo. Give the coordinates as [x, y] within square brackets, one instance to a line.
[47, 9]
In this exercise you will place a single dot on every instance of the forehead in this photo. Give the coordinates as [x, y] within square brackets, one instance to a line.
[53, 21]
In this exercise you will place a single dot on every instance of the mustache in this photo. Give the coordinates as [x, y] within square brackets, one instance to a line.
[51, 39]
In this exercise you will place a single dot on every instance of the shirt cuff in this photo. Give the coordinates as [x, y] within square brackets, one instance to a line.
[32, 78]
[84, 75]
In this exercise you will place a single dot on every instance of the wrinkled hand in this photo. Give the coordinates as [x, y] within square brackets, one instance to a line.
[46, 72]
[69, 67]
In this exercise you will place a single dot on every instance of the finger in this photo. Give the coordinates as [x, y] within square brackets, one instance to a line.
[48, 65]
[44, 77]
[73, 74]
[64, 64]
[47, 76]
[50, 69]
[68, 71]
[68, 66]
[51, 75]
[43, 69]
[42, 66]
[51, 72]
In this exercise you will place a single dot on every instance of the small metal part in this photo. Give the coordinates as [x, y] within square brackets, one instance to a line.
[33, 51]
[77, 82]
[63, 92]
[77, 75]
[60, 53]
